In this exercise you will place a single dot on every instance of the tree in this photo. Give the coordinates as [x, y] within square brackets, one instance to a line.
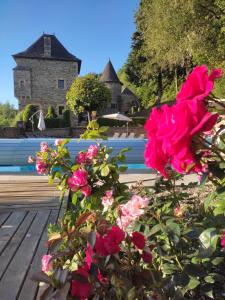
[51, 113]
[88, 94]
[7, 114]
[171, 37]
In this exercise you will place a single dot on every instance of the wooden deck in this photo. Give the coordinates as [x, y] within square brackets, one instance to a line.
[27, 206]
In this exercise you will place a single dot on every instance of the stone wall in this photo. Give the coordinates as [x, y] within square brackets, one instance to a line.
[43, 85]
[115, 89]
[9, 132]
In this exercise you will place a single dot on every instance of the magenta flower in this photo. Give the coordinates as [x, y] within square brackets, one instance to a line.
[78, 179]
[86, 190]
[41, 167]
[198, 84]
[223, 240]
[81, 158]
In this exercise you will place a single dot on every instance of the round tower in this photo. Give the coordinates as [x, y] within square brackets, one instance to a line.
[112, 82]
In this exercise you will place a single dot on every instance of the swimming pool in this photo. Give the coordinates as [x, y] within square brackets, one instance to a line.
[31, 168]
[14, 152]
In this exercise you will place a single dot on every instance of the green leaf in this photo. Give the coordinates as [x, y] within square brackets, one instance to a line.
[155, 229]
[131, 294]
[195, 270]
[209, 279]
[74, 198]
[122, 168]
[92, 238]
[105, 170]
[217, 260]
[193, 283]
[208, 239]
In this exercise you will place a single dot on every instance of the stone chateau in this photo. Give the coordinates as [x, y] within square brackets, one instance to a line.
[46, 70]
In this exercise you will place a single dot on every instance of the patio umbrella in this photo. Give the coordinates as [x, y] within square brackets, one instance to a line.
[118, 117]
[41, 121]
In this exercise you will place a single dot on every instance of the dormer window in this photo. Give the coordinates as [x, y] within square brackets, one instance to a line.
[22, 83]
[61, 84]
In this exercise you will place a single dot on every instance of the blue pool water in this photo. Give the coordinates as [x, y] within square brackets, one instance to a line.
[31, 169]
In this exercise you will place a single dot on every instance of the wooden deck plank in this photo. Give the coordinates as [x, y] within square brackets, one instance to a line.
[3, 217]
[9, 228]
[15, 242]
[14, 276]
[30, 288]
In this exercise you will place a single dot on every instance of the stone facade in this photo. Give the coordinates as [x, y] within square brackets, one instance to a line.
[44, 73]
[40, 82]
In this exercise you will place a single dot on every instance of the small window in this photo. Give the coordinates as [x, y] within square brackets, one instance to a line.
[61, 84]
[113, 105]
[23, 97]
[22, 83]
[61, 109]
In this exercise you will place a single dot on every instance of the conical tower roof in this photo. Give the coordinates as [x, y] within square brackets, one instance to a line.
[58, 51]
[109, 74]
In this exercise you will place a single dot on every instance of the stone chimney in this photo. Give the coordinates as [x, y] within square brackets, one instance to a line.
[47, 46]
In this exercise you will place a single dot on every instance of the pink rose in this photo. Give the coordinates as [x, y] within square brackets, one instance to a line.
[58, 142]
[178, 212]
[79, 178]
[44, 146]
[92, 151]
[223, 240]
[170, 132]
[198, 84]
[81, 158]
[46, 263]
[107, 200]
[86, 190]
[131, 210]
[31, 159]
[41, 167]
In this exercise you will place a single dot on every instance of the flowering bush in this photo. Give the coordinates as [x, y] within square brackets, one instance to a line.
[120, 242]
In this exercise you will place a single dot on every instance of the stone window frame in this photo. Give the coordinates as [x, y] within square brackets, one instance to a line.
[58, 106]
[114, 106]
[22, 83]
[64, 84]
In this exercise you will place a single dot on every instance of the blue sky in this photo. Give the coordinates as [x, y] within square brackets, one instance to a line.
[93, 30]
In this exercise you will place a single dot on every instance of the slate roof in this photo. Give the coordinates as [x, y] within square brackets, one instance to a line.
[126, 91]
[58, 51]
[109, 74]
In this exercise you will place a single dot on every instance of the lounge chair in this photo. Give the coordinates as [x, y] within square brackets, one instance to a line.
[131, 135]
[141, 136]
[116, 135]
[123, 135]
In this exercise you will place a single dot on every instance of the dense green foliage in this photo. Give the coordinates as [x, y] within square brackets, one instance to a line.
[165, 47]
[88, 94]
[7, 114]
[58, 122]
[28, 111]
[51, 113]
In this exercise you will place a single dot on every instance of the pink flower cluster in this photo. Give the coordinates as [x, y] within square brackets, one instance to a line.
[41, 167]
[44, 147]
[109, 243]
[107, 200]
[78, 180]
[88, 156]
[223, 240]
[58, 142]
[170, 129]
[46, 263]
[131, 211]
